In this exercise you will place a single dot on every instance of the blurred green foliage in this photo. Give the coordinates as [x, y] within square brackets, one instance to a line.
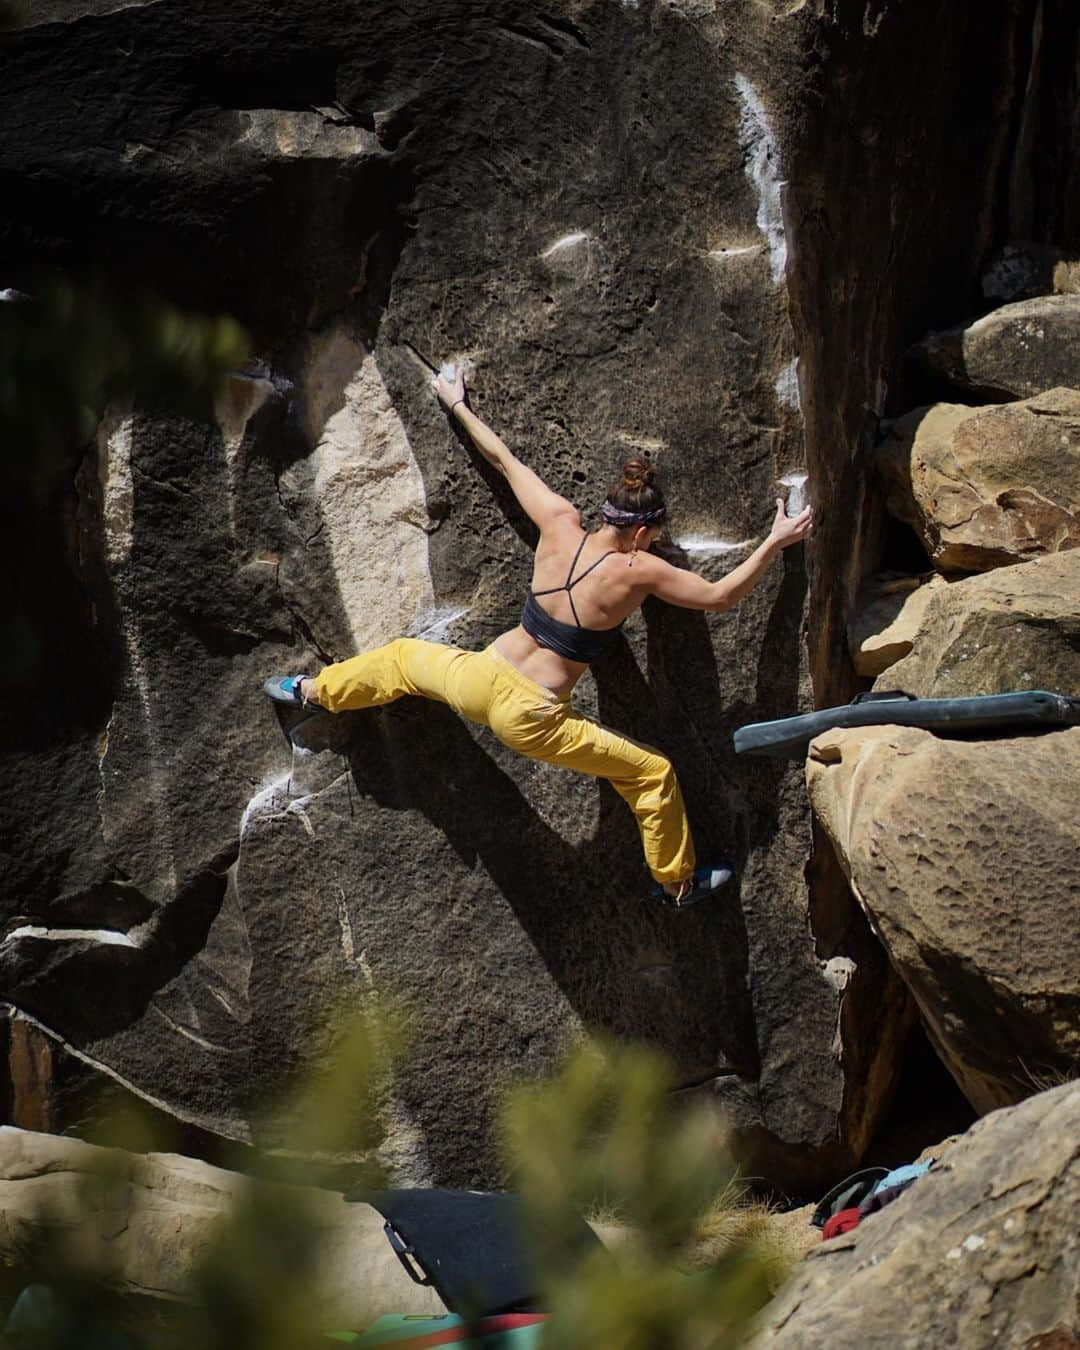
[71, 347]
[257, 1285]
[605, 1133]
[607, 1137]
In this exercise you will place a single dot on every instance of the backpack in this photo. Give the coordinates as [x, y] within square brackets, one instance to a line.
[847, 1194]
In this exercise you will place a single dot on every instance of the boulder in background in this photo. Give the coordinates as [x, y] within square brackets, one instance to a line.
[888, 618]
[1013, 628]
[963, 854]
[1022, 270]
[1013, 352]
[985, 487]
[149, 1219]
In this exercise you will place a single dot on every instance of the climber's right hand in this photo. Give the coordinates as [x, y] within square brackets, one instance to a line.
[449, 392]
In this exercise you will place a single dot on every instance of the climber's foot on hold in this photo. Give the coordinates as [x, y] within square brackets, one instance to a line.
[297, 691]
[705, 882]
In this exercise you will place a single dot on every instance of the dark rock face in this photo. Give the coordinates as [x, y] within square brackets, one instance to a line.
[981, 1251]
[588, 204]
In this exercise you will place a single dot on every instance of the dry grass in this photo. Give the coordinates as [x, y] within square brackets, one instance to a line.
[736, 1220]
[1043, 1077]
[782, 1238]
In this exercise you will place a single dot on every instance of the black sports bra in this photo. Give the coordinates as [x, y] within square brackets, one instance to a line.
[575, 643]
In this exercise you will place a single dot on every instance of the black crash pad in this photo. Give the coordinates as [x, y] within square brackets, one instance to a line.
[468, 1245]
[789, 737]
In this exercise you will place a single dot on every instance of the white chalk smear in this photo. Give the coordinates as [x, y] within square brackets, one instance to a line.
[735, 252]
[348, 941]
[433, 625]
[763, 170]
[268, 800]
[796, 485]
[100, 937]
[700, 543]
[787, 385]
[567, 241]
[839, 971]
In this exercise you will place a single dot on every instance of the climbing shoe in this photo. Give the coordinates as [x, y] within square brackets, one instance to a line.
[705, 882]
[286, 689]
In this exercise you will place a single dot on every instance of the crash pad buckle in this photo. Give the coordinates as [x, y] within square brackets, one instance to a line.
[405, 1254]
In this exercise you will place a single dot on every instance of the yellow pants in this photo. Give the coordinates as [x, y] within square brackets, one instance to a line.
[485, 687]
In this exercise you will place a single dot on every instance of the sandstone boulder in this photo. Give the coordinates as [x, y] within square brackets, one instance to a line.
[1013, 352]
[983, 1251]
[888, 617]
[147, 1221]
[963, 855]
[1013, 628]
[984, 487]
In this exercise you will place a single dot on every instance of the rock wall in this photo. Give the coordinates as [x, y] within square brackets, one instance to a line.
[677, 228]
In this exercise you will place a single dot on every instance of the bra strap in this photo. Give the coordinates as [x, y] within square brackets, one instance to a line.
[570, 575]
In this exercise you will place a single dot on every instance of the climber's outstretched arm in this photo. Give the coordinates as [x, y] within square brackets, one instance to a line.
[539, 503]
[679, 587]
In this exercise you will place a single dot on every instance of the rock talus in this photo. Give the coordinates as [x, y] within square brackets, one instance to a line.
[887, 621]
[1015, 351]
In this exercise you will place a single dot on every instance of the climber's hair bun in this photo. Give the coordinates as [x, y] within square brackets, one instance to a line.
[637, 500]
[637, 474]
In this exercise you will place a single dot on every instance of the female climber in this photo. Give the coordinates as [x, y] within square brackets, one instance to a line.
[583, 587]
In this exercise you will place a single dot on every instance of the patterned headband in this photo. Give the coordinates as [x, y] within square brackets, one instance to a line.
[616, 516]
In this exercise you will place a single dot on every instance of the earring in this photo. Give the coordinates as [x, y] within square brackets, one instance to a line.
[633, 554]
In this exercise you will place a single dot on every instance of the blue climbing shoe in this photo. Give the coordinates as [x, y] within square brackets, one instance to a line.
[286, 689]
[706, 881]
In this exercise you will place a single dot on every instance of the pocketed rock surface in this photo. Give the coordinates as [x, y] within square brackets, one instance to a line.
[985, 487]
[963, 854]
[982, 1251]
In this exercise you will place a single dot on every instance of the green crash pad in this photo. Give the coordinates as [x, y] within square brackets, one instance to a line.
[510, 1331]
